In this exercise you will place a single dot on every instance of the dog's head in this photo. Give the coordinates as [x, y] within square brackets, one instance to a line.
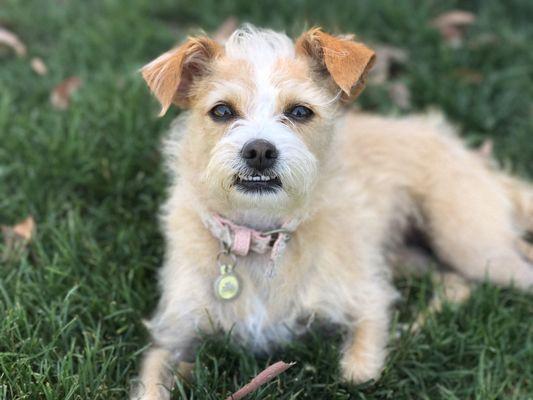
[262, 112]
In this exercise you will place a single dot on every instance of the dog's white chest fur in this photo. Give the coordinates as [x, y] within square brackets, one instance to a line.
[256, 316]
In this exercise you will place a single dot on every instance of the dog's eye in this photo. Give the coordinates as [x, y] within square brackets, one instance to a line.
[299, 113]
[222, 112]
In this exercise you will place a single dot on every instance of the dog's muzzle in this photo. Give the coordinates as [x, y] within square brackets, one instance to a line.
[261, 157]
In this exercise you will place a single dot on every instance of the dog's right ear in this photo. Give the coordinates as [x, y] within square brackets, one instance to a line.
[170, 77]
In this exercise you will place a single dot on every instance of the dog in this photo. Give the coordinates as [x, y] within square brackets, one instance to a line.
[285, 206]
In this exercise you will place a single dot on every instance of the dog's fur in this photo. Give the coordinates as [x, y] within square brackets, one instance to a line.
[356, 182]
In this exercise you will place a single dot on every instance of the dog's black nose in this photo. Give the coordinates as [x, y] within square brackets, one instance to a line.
[259, 154]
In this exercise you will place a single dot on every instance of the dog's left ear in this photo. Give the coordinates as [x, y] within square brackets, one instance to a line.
[171, 76]
[346, 61]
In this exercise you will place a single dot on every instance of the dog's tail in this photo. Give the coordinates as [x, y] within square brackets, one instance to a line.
[519, 191]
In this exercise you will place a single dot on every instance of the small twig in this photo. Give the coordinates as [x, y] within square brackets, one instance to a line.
[263, 377]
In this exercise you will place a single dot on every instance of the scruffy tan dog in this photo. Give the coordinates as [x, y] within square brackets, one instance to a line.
[283, 208]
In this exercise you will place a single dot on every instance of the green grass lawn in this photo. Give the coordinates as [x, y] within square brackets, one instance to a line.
[71, 307]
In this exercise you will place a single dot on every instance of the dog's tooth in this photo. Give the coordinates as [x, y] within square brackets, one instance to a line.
[256, 178]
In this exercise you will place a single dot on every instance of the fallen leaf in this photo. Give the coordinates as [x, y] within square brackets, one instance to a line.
[388, 59]
[17, 237]
[400, 95]
[225, 30]
[38, 66]
[25, 229]
[12, 41]
[61, 94]
[452, 25]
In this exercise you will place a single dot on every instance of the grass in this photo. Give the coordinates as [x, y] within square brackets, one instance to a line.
[71, 307]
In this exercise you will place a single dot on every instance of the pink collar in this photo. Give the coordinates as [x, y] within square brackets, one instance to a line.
[241, 240]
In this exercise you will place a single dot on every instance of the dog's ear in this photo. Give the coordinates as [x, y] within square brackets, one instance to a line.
[346, 61]
[171, 75]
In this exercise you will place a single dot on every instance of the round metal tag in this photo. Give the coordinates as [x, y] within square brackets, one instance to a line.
[227, 286]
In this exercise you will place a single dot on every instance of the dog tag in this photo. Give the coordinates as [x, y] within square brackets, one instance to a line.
[227, 285]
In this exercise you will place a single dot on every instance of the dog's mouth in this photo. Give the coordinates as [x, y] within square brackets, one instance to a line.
[258, 183]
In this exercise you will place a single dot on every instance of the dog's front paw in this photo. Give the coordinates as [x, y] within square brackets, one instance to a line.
[156, 392]
[359, 368]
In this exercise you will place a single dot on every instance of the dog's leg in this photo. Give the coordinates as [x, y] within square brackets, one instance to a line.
[156, 375]
[494, 258]
[365, 350]
[174, 336]
[470, 222]
[450, 288]
[364, 355]
[160, 368]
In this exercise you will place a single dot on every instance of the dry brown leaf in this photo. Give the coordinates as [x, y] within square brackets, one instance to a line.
[25, 229]
[452, 25]
[61, 94]
[225, 30]
[454, 18]
[387, 57]
[17, 237]
[12, 41]
[38, 66]
[400, 95]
